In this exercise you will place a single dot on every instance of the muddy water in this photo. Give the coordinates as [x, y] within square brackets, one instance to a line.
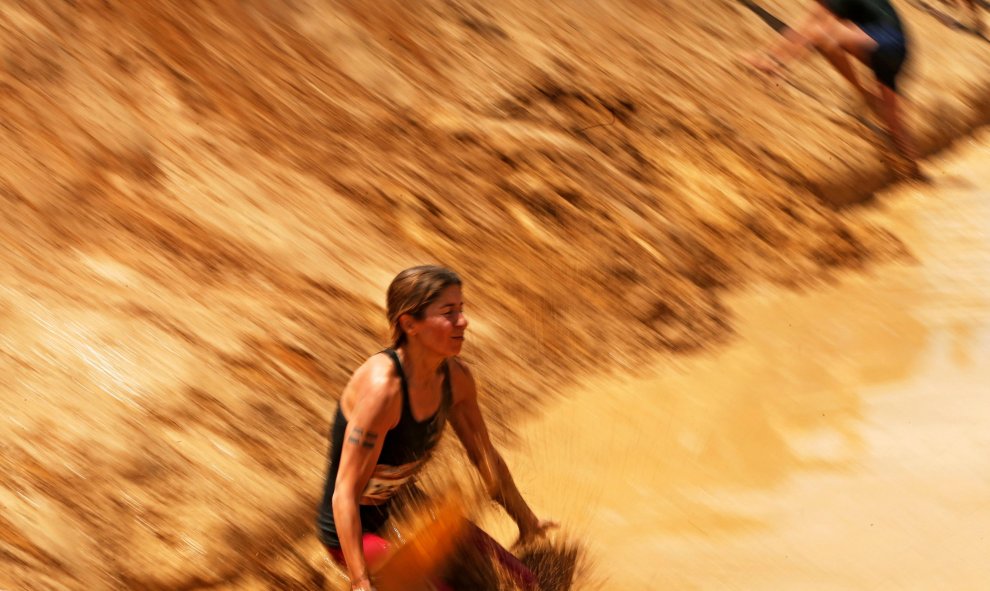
[840, 441]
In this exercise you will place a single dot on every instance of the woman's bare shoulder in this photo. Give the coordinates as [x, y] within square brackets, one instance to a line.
[375, 384]
[461, 379]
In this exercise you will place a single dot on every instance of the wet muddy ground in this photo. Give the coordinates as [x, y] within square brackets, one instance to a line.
[202, 204]
[837, 442]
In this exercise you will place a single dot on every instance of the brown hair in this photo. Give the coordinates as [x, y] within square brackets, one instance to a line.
[412, 291]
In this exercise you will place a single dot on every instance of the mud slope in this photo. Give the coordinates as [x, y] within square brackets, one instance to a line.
[203, 202]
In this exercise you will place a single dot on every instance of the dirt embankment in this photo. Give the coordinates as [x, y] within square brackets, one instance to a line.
[202, 204]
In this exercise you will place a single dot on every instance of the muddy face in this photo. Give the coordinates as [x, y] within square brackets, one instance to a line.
[443, 326]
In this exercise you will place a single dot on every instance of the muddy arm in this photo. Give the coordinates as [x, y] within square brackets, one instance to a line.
[470, 427]
[375, 412]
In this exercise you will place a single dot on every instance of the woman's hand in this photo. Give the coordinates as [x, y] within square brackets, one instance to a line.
[362, 584]
[537, 530]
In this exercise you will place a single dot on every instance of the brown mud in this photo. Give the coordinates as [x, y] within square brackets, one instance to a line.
[203, 203]
[837, 442]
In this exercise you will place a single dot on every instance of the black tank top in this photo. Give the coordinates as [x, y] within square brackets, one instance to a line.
[405, 449]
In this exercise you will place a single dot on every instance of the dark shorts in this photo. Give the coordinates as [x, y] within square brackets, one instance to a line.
[890, 54]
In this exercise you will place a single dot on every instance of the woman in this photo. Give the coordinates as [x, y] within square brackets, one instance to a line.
[390, 417]
[872, 32]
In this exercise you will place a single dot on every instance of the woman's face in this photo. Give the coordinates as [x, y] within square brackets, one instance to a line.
[442, 328]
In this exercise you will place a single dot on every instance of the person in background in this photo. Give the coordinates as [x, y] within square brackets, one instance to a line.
[870, 31]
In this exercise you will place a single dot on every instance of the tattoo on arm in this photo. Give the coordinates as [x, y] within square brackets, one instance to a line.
[366, 439]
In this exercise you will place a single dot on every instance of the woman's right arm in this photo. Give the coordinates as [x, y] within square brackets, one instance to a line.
[375, 412]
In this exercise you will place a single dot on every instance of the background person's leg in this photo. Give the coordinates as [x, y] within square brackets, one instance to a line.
[835, 42]
[887, 61]
[894, 119]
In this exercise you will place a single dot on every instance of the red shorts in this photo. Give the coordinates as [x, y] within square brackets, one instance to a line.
[375, 547]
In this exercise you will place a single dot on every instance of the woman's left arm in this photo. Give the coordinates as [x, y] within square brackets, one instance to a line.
[471, 430]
